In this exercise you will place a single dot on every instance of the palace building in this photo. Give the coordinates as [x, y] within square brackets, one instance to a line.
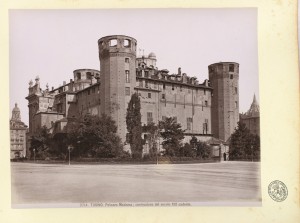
[204, 109]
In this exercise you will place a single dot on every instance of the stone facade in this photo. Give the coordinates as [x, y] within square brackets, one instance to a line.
[17, 135]
[251, 118]
[203, 109]
[224, 79]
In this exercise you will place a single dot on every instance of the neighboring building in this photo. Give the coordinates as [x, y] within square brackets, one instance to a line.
[17, 135]
[251, 118]
[203, 109]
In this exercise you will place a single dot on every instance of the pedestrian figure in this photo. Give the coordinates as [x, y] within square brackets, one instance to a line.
[224, 155]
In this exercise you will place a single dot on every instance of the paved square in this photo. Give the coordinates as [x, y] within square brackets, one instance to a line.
[207, 182]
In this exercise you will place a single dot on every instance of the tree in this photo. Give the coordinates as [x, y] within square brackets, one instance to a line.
[201, 148]
[151, 130]
[94, 136]
[134, 126]
[243, 144]
[172, 135]
[40, 143]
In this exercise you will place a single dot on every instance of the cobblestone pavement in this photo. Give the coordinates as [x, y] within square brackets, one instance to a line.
[206, 182]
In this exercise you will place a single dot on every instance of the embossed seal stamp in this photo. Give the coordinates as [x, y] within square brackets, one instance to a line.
[277, 191]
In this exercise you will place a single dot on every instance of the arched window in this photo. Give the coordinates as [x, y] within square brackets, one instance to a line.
[113, 42]
[127, 43]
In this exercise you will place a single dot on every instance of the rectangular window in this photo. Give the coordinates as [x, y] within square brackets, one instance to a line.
[149, 117]
[235, 90]
[127, 76]
[163, 96]
[126, 60]
[172, 87]
[127, 91]
[189, 122]
[206, 103]
[180, 88]
[231, 67]
[140, 83]
[149, 95]
[164, 86]
[205, 126]
[146, 84]
[236, 104]
[204, 92]
[146, 73]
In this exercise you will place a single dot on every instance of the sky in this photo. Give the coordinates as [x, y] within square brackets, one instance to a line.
[53, 43]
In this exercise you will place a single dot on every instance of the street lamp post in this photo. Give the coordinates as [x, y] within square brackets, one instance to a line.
[252, 153]
[70, 148]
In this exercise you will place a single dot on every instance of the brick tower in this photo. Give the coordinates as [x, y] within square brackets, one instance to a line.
[224, 79]
[117, 56]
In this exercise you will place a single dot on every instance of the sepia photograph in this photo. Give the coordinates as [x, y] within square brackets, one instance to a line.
[134, 108]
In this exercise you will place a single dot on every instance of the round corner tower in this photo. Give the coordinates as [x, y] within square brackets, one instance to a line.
[117, 56]
[224, 79]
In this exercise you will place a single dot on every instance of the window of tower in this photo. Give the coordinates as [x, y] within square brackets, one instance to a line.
[231, 76]
[78, 75]
[126, 60]
[235, 90]
[127, 76]
[163, 96]
[146, 73]
[88, 75]
[231, 67]
[164, 86]
[127, 43]
[146, 84]
[113, 42]
[127, 91]
[205, 103]
[236, 104]
[149, 95]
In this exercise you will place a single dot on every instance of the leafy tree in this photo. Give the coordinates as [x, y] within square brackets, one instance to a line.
[243, 144]
[94, 136]
[134, 126]
[40, 143]
[187, 151]
[201, 148]
[172, 135]
[152, 136]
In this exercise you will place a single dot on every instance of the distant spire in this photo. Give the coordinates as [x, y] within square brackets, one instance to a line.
[16, 115]
[254, 108]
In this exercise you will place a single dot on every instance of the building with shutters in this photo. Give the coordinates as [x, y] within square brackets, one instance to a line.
[17, 135]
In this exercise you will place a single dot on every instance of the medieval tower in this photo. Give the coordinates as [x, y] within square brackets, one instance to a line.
[117, 56]
[224, 79]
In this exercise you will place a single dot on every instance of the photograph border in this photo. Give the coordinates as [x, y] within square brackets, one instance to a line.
[279, 103]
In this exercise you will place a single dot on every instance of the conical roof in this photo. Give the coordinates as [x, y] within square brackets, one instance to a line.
[254, 108]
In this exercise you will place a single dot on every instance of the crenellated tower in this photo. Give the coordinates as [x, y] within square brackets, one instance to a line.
[224, 79]
[117, 56]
